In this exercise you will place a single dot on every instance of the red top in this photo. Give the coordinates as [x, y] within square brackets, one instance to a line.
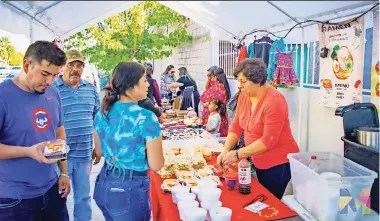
[270, 123]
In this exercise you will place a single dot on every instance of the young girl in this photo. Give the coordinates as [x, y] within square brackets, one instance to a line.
[130, 140]
[216, 109]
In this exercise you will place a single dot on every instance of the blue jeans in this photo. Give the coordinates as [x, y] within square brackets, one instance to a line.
[275, 179]
[79, 172]
[48, 207]
[122, 197]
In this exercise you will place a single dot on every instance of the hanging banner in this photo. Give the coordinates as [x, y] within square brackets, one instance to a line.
[341, 63]
[375, 74]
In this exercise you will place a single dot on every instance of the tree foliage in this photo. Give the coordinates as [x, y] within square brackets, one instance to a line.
[8, 52]
[146, 31]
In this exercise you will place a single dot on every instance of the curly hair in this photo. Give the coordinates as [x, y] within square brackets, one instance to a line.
[253, 69]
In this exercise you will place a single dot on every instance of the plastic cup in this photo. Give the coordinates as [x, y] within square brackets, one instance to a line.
[231, 180]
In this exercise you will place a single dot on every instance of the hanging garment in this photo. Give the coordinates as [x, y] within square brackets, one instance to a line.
[284, 73]
[251, 50]
[243, 54]
[273, 57]
[262, 47]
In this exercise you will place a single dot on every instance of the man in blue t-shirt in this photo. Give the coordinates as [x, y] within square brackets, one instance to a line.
[30, 115]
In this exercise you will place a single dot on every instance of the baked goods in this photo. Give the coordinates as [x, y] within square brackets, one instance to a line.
[198, 161]
[326, 83]
[185, 176]
[202, 173]
[56, 149]
[169, 183]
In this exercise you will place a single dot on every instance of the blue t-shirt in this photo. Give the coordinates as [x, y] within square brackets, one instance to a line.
[124, 135]
[27, 119]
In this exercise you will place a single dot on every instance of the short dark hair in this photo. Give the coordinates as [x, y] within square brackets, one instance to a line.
[254, 69]
[45, 50]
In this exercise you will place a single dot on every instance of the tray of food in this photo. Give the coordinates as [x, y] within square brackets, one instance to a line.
[56, 150]
[168, 184]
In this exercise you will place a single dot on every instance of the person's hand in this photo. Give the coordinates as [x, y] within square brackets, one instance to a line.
[96, 156]
[64, 187]
[219, 160]
[229, 157]
[36, 152]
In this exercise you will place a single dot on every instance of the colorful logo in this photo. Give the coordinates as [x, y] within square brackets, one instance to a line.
[348, 203]
[41, 119]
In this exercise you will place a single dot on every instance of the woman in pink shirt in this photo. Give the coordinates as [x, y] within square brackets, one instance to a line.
[262, 113]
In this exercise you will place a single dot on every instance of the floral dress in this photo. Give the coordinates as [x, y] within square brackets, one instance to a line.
[284, 73]
[216, 90]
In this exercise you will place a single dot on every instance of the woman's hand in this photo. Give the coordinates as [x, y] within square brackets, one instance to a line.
[229, 157]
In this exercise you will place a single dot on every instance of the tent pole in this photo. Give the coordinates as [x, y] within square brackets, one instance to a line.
[27, 14]
[283, 12]
[31, 31]
[300, 103]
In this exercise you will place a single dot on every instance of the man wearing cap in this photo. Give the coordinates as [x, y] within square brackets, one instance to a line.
[80, 103]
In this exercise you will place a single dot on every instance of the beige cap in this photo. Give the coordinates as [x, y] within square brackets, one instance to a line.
[74, 55]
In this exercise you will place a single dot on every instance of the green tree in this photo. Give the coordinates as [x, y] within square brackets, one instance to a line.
[146, 31]
[16, 58]
[6, 49]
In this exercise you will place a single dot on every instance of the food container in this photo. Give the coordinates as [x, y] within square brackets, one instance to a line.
[195, 214]
[311, 189]
[177, 190]
[168, 184]
[209, 194]
[56, 149]
[231, 180]
[356, 116]
[185, 205]
[220, 214]
[185, 197]
[368, 136]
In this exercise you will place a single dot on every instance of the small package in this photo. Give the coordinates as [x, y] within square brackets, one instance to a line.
[184, 176]
[168, 184]
[56, 150]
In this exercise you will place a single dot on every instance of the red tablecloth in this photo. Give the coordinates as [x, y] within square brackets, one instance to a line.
[163, 208]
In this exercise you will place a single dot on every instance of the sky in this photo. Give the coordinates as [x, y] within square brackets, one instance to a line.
[19, 41]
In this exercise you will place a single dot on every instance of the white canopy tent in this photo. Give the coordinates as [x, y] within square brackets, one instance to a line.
[46, 20]
[229, 20]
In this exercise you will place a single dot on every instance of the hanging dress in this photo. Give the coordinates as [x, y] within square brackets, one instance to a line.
[243, 54]
[284, 73]
[273, 57]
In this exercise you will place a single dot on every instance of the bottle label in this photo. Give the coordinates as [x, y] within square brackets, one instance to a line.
[245, 175]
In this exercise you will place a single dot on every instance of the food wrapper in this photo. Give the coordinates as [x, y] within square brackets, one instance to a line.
[164, 174]
[191, 182]
[183, 176]
[56, 149]
[198, 161]
[207, 154]
[168, 184]
[202, 173]
[184, 164]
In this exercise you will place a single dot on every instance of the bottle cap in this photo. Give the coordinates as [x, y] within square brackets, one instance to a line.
[313, 157]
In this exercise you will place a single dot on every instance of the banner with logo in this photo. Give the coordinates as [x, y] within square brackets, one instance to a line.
[341, 63]
[375, 74]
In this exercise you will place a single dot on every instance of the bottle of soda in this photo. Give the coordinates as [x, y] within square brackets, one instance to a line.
[244, 176]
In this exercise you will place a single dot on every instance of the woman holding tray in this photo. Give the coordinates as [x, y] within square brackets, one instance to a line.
[262, 113]
[129, 137]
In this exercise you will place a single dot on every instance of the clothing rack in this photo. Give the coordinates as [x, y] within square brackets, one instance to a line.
[239, 45]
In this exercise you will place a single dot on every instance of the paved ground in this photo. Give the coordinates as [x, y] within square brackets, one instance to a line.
[96, 213]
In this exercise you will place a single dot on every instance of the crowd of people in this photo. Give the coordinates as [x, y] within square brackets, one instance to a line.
[124, 128]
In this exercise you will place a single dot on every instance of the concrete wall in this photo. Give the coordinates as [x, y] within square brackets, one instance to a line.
[194, 56]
